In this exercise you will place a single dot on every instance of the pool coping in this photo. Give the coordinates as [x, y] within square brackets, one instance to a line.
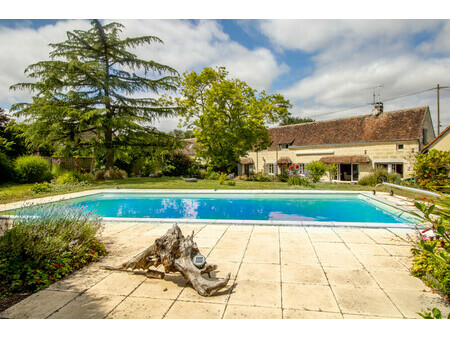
[56, 198]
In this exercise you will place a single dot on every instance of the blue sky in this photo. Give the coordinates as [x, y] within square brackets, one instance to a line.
[323, 67]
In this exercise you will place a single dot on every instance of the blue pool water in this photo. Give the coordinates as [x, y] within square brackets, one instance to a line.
[288, 207]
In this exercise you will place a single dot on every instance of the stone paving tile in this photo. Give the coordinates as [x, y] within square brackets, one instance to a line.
[252, 312]
[118, 284]
[212, 231]
[308, 297]
[299, 314]
[308, 274]
[223, 268]
[353, 236]
[261, 255]
[383, 236]
[168, 288]
[259, 272]
[232, 243]
[336, 255]
[295, 245]
[225, 255]
[81, 280]
[39, 305]
[88, 306]
[352, 316]
[141, 308]
[292, 230]
[251, 293]
[205, 241]
[321, 234]
[358, 278]
[365, 301]
[381, 262]
[303, 257]
[397, 280]
[368, 249]
[195, 310]
[410, 302]
[398, 250]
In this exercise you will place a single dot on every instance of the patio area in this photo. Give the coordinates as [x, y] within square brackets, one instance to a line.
[276, 272]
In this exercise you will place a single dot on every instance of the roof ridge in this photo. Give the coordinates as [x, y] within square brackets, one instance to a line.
[351, 117]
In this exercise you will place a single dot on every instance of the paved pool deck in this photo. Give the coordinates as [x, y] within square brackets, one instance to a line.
[276, 272]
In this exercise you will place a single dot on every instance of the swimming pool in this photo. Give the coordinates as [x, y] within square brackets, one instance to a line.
[286, 207]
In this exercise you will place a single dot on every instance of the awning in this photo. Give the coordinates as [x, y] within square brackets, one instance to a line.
[245, 160]
[345, 159]
[284, 160]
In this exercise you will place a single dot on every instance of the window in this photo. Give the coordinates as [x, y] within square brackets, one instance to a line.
[398, 168]
[400, 147]
[271, 168]
[284, 146]
[301, 167]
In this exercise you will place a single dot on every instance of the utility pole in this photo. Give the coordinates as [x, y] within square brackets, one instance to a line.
[438, 118]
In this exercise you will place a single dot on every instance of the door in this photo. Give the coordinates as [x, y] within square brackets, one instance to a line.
[346, 172]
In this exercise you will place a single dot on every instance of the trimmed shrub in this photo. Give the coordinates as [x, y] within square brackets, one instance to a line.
[31, 169]
[318, 169]
[38, 251]
[176, 164]
[6, 168]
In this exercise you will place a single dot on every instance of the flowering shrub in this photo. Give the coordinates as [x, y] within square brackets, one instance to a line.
[299, 180]
[226, 178]
[432, 170]
[432, 247]
[40, 250]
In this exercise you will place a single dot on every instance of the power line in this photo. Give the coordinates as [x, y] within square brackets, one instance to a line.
[369, 104]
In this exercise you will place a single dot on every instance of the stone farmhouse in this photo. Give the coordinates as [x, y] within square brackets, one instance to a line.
[358, 145]
[441, 142]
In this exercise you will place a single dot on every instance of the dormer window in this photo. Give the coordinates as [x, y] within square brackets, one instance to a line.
[400, 147]
[284, 146]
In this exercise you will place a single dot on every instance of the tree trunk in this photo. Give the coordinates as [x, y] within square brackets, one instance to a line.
[175, 252]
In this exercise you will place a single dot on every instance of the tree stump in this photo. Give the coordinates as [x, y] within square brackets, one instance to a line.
[175, 252]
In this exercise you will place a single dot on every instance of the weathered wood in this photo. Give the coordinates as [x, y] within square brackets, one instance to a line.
[175, 253]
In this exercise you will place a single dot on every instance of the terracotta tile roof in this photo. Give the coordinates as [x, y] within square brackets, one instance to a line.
[436, 138]
[245, 160]
[345, 159]
[403, 124]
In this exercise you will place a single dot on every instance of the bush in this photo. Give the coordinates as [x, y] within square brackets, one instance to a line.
[31, 169]
[110, 174]
[432, 170]
[41, 187]
[38, 251]
[6, 168]
[232, 183]
[318, 169]
[299, 180]
[211, 175]
[67, 177]
[432, 248]
[379, 175]
[176, 164]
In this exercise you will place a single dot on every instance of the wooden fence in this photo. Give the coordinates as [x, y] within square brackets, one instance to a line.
[79, 163]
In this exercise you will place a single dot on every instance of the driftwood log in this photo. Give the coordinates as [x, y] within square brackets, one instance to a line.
[175, 252]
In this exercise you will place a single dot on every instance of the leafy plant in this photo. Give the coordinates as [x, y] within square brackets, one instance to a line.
[318, 169]
[176, 164]
[46, 243]
[434, 314]
[299, 180]
[379, 175]
[6, 168]
[41, 187]
[432, 248]
[31, 169]
[432, 170]
[110, 174]
[67, 177]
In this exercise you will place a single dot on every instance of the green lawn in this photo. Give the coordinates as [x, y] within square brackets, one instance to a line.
[18, 192]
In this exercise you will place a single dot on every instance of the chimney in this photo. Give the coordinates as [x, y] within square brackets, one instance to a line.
[378, 108]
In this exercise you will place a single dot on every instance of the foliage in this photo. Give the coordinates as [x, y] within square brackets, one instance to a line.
[226, 178]
[432, 247]
[226, 115]
[434, 314]
[289, 119]
[41, 187]
[432, 170]
[182, 134]
[12, 142]
[210, 174]
[318, 169]
[6, 168]
[38, 251]
[299, 180]
[67, 177]
[110, 174]
[86, 95]
[176, 164]
[379, 175]
[30, 169]
[332, 170]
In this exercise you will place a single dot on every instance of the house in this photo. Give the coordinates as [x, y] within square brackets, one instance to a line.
[358, 145]
[441, 142]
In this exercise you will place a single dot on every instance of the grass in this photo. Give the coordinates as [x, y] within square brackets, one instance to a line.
[18, 192]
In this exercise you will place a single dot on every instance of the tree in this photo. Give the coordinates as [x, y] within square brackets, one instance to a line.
[226, 115]
[84, 93]
[12, 142]
[287, 120]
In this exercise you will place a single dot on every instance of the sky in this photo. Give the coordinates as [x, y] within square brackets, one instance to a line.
[324, 67]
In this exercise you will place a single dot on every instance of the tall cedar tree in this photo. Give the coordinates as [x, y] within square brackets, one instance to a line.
[227, 116]
[84, 94]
